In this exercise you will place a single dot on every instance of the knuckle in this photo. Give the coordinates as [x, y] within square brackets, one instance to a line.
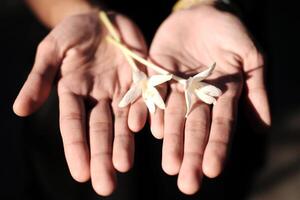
[173, 140]
[219, 142]
[173, 134]
[174, 111]
[198, 155]
[98, 127]
[46, 46]
[72, 116]
[38, 76]
[121, 113]
[222, 121]
[253, 55]
[260, 58]
[99, 154]
[76, 52]
[123, 138]
[197, 126]
[48, 49]
[257, 57]
[74, 142]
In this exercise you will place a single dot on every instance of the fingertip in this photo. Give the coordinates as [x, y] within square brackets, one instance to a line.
[267, 118]
[81, 176]
[214, 159]
[23, 107]
[171, 166]
[157, 132]
[212, 166]
[78, 161]
[187, 189]
[135, 126]
[104, 189]
[122, 164]
[261, 106]
[190, 182]
[123, 153]
[80, 172]
[137, 117]
[157, 125]
[27, 101]
[18, 109]
[260, 113]
[103, 175]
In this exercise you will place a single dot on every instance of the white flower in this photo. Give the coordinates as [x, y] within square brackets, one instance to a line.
[203, 91]
[142, 85]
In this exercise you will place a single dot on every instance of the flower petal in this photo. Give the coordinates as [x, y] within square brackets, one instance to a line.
[158, 79]
[204, 74]
[188, 101]
[205, 98]
[150, 105]
[156, 98]
[210, 90]
[137, 76]
[132, 94]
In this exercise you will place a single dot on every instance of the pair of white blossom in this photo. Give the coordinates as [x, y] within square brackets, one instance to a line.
[145, 87]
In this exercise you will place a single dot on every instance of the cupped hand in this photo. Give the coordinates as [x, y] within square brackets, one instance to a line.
[92, 76]
[186, 43]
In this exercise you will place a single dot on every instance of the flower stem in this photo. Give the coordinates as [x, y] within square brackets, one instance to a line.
[113, 32]
[104, 18]
[143, 61]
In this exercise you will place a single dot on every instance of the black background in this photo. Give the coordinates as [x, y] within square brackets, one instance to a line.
[32, 162]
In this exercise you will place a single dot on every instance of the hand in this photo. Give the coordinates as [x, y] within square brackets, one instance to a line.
[92, 77]
[187, 42]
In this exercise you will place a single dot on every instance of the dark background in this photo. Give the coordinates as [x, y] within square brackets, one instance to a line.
[261, 166]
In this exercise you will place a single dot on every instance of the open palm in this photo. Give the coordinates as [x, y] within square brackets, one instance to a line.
[92, 76]
[186, 43]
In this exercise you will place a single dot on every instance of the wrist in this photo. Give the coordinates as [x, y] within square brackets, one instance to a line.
[51, 12]
[69, 9]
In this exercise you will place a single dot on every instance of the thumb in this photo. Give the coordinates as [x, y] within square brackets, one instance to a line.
[255, 87]
[37, 87]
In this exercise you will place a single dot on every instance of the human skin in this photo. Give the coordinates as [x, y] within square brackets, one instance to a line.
[88, 70]
[187, 42]
[91, 76]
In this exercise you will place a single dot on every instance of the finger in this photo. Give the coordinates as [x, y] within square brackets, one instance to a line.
[195, 139]
[172, 150]
[223, 118]
[37, 87]
[72, 126]
[137, 115]
[157, 123]
[123, 145]
[256, 90]
[157, 118]
[100, 129]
